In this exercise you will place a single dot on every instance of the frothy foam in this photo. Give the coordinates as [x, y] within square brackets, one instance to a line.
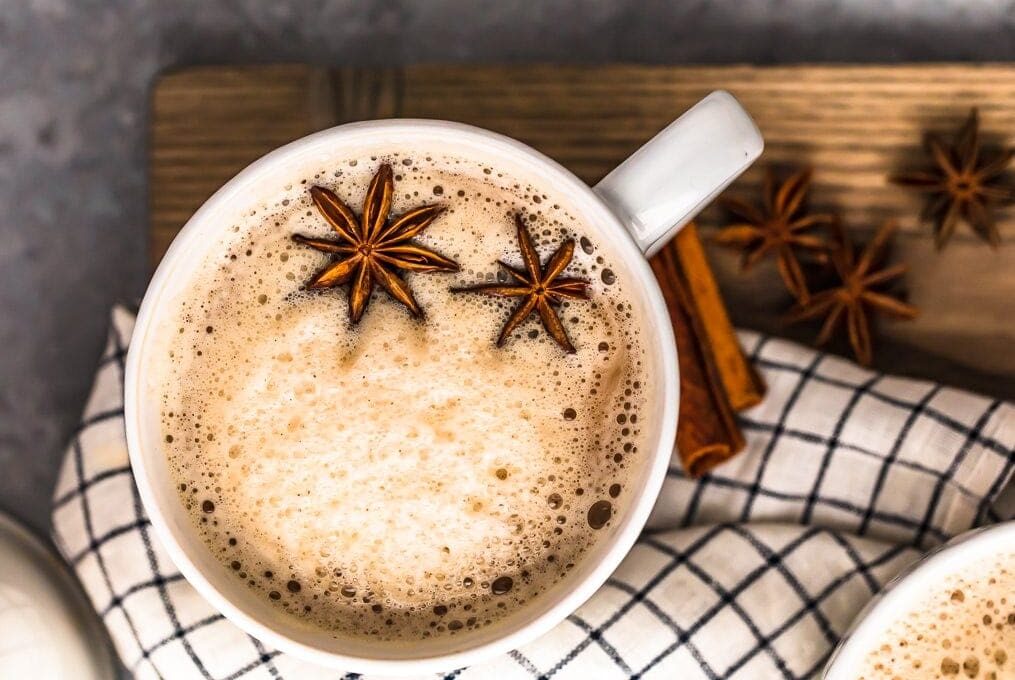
[964, 627]
[401, 478]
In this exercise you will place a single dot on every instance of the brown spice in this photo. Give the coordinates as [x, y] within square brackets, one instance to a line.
[371, 250]
[962, 186]
[707, 430]
[541, 287]
[778, 227]
[856, 297]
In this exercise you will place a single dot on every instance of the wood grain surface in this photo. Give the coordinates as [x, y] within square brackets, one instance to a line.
[855, 124]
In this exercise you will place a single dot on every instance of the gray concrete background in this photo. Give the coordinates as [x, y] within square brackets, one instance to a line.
[74, 83]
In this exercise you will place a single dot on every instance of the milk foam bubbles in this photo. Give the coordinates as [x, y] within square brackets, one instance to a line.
[401, 478]
[963, 627]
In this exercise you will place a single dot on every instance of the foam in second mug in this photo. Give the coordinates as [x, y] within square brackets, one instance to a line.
[962, 626]
[402, 478]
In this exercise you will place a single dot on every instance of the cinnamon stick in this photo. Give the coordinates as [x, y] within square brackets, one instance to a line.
[707, 432]
[741, 382]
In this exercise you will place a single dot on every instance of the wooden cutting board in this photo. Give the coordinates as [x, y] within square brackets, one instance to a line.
[854, 124]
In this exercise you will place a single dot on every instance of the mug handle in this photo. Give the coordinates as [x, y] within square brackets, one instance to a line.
[670, 179]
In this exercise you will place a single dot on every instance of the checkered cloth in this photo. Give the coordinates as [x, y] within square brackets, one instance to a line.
[752, 572]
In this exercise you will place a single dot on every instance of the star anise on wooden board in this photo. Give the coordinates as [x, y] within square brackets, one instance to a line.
[542, 288]
[856, 297]
[371, 250]
[779, 226]
[962, 185]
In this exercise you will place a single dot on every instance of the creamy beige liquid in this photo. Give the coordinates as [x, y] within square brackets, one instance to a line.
[964, 627]
[401, 479]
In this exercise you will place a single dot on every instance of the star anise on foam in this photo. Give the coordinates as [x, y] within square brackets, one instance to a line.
[856, 297]
[961, 185]
[542, 288]
[371, 250]
[779, 227]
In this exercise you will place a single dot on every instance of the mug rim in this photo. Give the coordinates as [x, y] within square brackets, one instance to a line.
[885, 606]
[619, 545]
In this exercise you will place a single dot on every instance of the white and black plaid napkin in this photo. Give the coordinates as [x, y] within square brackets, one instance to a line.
[752, 572]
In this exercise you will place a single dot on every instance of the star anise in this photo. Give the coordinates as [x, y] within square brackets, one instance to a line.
[778, 226]
[542, 288]
[856, 297]
[371, 249]
[962, 186]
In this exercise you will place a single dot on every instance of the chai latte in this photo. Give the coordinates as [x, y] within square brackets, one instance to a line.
[962, 627]
[402, 478]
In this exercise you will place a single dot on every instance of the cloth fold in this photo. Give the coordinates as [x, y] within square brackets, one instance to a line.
[751, 572]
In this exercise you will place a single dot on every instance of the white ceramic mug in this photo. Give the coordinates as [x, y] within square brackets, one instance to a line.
[905, 591]
[637, 208]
